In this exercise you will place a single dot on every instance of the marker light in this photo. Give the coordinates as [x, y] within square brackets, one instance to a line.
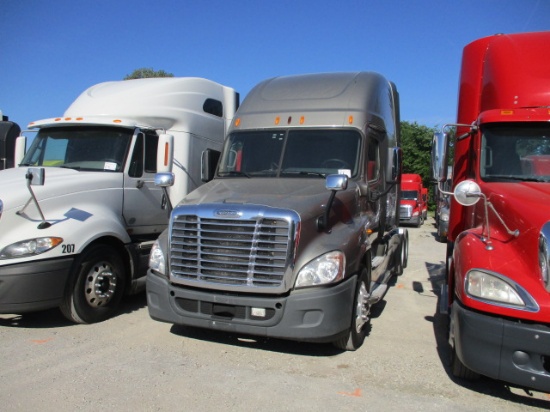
[277, 120]
[350, 119]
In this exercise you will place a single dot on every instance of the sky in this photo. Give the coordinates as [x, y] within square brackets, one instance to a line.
[52, 50]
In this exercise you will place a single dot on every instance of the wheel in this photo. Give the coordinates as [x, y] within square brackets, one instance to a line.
[95, 287]
[458, 369]
[360, 316]
[402, 257]
[405, 249]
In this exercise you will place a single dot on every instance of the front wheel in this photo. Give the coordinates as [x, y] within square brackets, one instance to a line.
[458, 369]
[96, 286]
[360, 316]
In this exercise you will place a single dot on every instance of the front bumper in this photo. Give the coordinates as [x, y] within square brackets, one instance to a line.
[413, 220]
[315, 314]
[33, 286]
[510, 351]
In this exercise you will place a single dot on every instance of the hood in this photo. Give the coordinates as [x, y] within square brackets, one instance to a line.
[305, 196]
[58, 182]
[522, 206]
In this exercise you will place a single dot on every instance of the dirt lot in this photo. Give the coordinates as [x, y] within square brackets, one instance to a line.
[133, 363]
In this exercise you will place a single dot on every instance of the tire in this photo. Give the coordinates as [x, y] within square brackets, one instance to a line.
[459, 370]
[360, 317]
[401, 257]
[405, 250]
[95, 287]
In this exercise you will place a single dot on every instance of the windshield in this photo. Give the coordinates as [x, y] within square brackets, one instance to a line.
[409, 195]
[310, 153]
[515, 152]
[81, 148]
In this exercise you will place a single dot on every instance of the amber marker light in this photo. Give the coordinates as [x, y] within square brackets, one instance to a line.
[350, 119]
[117, 121]
[506, 112]
[237, 122]
[277, 120]
[302, 119]
[166, 154]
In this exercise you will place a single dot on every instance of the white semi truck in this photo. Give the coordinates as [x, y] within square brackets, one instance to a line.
[298, 233]
[79, 214]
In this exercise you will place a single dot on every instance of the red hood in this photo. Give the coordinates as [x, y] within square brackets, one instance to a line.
[522, 207]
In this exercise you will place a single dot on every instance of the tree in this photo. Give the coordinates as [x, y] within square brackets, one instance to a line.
[145, 72]
[416, 142]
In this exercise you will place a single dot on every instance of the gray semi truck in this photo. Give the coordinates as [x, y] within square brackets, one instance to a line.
[296, 234]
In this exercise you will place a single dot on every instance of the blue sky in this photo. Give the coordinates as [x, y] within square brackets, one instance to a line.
[52, 50]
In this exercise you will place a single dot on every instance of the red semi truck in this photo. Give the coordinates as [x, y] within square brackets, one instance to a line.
[497, 288]
[413, 209]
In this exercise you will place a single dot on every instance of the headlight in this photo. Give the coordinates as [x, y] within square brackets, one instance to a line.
[30, 247]
[444, 217]
[544, 260]
[156, 259]
[489, 287]
[325, 269]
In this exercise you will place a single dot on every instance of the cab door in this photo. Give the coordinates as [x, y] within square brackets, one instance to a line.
[143, 201]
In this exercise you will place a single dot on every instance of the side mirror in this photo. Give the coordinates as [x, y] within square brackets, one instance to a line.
[209, 162]
[20, 148]
[336, 182]
[439, 156]
[394, 165]
[165, 153]
[36, 176]
[467, 193]
[164, 179]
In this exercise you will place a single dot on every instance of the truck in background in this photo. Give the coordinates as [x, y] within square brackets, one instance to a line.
[9, 131]
[79, 215]
[413, 208]
[497, 287]
[298, 233]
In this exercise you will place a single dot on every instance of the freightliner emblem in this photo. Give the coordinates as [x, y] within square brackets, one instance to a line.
[227, 213]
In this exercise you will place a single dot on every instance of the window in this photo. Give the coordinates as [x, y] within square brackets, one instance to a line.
[214, 107]
[81, 148]
[144, 161]
[296, 153]
[372, 160]
[515, 151]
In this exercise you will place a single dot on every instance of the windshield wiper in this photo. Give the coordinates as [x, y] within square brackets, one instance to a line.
[70, 167]
[233, 173]
[303, 173]
[518, 178]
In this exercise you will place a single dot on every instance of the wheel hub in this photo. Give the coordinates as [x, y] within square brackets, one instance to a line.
[100, 285]
[362, 311]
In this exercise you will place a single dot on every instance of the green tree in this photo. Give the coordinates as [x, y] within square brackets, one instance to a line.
[145, 72]
[416, 142]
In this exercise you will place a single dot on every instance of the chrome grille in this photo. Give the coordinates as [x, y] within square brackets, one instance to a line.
[247, 252]
[405, 211]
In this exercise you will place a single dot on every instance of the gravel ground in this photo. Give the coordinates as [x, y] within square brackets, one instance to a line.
[131, 362]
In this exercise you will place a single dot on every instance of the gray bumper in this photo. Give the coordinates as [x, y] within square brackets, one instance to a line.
[33, 286]
[513, 352]
[315, 314]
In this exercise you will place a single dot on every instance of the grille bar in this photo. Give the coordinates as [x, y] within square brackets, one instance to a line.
[247, 252]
